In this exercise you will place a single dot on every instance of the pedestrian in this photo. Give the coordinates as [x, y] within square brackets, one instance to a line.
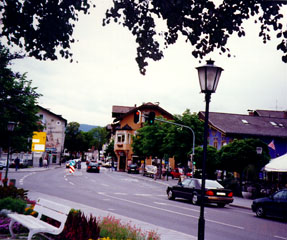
[17, 162]
[45, 163]
[156, 172]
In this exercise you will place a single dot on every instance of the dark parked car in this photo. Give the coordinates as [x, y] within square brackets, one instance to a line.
[133, 168]
[190, 188]
[93, 167]
[275, 205]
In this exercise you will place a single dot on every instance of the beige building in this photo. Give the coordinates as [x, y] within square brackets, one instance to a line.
[124, 128]
[54, 126]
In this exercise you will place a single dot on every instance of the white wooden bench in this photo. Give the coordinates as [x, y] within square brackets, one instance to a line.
[35, 225]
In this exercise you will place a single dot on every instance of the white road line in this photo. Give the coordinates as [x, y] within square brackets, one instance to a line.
[72, 183]
[143, 194]
[21, 181]
[161, 203]
[285, 238]
[105, 185]
[119, 193]
[173, 212]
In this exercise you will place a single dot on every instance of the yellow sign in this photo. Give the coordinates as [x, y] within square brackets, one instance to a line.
[38, 142]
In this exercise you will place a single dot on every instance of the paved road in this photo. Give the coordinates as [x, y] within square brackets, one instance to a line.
[143, 199]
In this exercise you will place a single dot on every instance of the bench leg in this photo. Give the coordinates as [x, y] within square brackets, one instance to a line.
[11, 228]
[30, 235]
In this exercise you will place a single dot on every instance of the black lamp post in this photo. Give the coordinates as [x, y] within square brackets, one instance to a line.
[10, 128]
[209, 76]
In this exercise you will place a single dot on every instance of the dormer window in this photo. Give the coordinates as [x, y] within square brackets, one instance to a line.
[273, 124]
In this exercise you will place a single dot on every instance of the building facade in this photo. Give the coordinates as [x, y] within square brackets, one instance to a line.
[124, 128]
[268, 126]
[54, 126]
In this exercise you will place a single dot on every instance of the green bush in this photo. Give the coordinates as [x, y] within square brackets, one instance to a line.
[15, 205]
[13, 192]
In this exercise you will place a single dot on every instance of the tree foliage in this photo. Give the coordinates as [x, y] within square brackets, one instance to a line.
[163, 138]
[79, 141]
[110, 150]
[212, 160]
[42, 27]
[240, 155]
[18, 103]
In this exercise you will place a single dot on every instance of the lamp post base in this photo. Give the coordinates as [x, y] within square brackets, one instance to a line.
[201, 226]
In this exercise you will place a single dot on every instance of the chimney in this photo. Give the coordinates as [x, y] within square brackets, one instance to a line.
[251, 112]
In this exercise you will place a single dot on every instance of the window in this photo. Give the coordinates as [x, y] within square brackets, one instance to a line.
[279, 195]
[273, 124]
[186, 182]
[121, 138]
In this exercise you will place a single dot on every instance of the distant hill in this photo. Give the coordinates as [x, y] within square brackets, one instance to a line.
[87, 127]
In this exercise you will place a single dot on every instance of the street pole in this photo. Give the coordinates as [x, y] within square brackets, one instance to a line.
[10, 128]
[7, 163]
[201, 220]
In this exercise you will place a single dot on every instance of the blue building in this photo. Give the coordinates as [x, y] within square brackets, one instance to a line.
[268, 126]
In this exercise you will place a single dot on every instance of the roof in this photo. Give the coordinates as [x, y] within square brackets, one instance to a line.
[239, 124]
[120, 111]
[56, 115]
[270, 113]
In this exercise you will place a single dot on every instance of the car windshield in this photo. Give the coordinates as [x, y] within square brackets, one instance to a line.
[211, 184]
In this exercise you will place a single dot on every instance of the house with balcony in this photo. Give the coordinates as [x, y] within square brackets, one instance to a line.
[124, 128]
[268, 126]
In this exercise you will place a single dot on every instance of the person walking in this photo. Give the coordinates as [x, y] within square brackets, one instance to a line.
[17, 163]
[45, 163]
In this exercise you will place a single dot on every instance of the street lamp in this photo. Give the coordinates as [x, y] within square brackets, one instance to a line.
[209, 75]
[10, 128]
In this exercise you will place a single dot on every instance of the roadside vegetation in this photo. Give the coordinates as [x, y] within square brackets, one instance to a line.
[77, 227]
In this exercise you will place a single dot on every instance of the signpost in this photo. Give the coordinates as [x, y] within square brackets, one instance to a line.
[38, 142]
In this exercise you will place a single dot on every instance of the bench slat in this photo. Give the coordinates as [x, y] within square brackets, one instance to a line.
[45, 207]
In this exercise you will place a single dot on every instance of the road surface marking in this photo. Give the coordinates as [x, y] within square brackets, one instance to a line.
[105, 185]
[72, 183]
[21, 181]
[161, 203]
[119, 193]
[173, 212]
[285, 238]
[143, 194]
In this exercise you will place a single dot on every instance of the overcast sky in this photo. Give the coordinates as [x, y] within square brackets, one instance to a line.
[107, 74]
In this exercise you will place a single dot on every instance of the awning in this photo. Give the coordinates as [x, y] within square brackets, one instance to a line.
[278, 164]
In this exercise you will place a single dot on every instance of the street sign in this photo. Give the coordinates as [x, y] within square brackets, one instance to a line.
[38, 142]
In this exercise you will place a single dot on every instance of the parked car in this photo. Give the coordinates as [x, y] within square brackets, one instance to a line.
[190, 188]
[133, 168]
[176, 173]
[93, 167]
[2, 164]
[107, 164]
[150, 170]
[23, 163]
[274, 205]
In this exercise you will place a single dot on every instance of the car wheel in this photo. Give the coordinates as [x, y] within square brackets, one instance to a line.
[170, 195]
[221, 205]
[260, 211]
[194, 199]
